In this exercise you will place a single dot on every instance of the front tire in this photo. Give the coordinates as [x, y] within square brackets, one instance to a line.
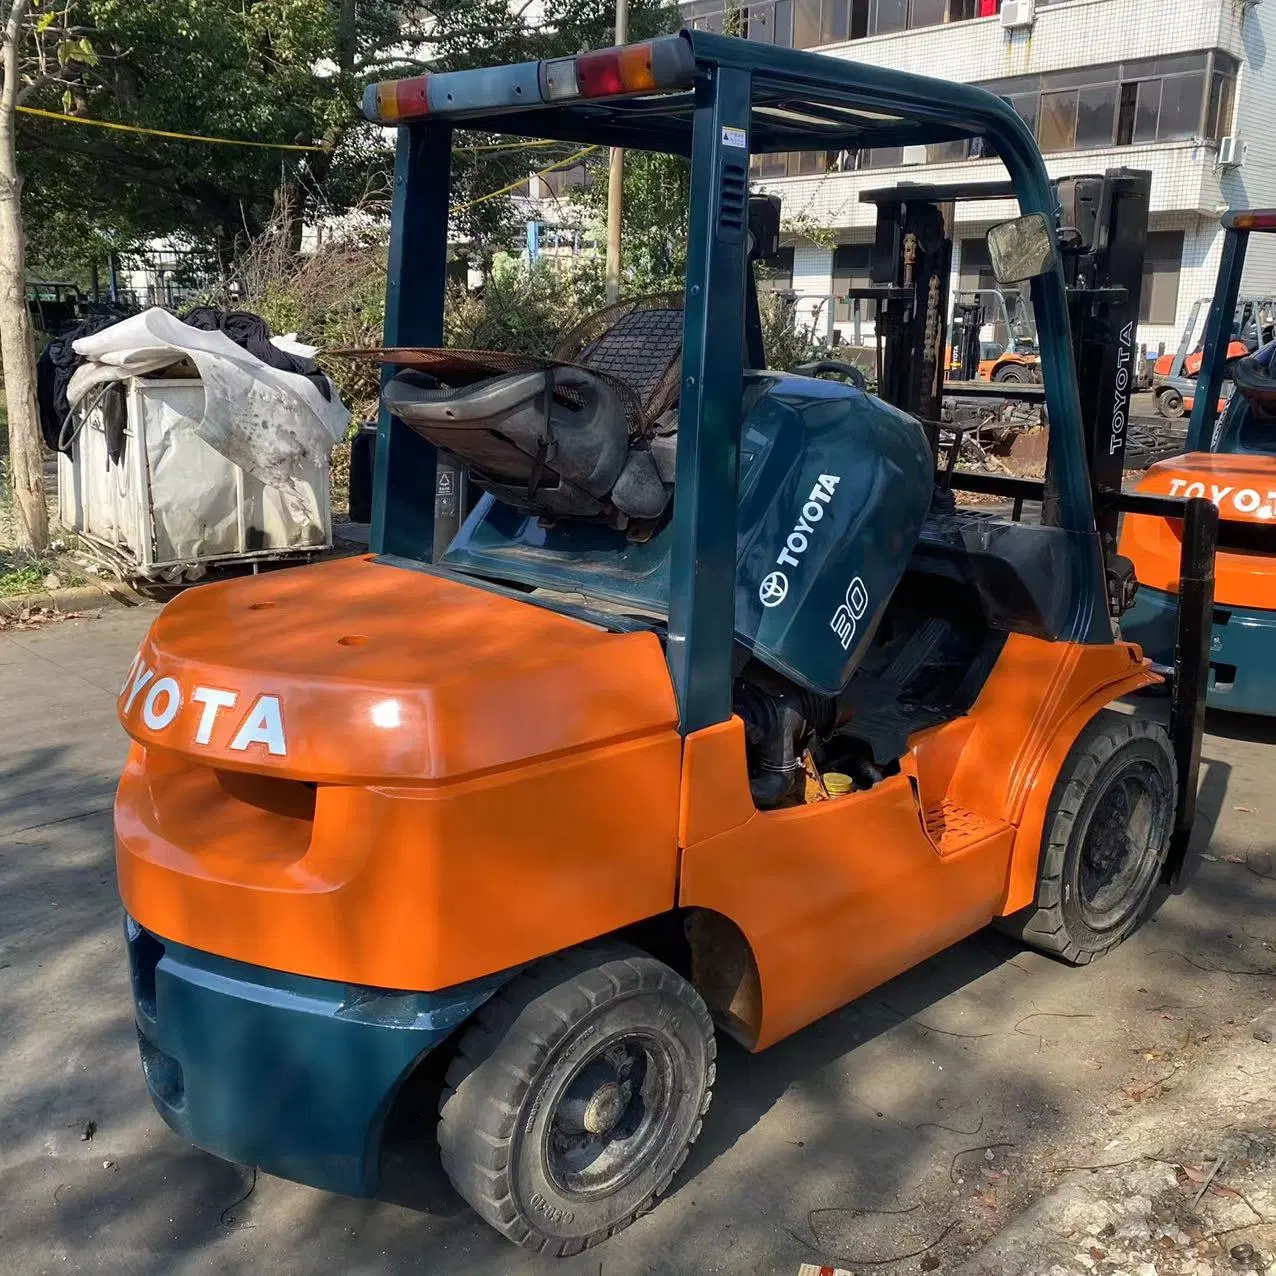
[1011, 374]
[1106, 837]
[574, 1097]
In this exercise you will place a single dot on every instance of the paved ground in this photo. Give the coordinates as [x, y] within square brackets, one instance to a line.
[856, 1140]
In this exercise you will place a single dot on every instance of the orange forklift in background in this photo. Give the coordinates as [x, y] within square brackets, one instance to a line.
[718, 710]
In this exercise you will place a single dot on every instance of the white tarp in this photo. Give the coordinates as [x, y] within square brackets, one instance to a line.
[274, 425]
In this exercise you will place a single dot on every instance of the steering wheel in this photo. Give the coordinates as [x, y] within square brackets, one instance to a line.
[818, 367]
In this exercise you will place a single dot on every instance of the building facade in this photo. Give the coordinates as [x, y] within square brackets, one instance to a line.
[1187, 91]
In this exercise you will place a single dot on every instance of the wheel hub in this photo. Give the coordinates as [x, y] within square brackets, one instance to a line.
[1124, 823]
[604, 1108]
[610, 1119]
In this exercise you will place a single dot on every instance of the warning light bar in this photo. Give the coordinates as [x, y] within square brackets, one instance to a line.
[654, 66]
[1250, 219]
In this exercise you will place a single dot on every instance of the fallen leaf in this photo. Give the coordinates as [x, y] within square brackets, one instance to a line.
[929, 1263]
[987, 1199]
[994, 1176]
[1248, 810]
[1098, 1254]
[1197, 1176]
[1219, 1189]
[1233, 859]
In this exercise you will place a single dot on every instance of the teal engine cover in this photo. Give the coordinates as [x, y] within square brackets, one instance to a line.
[834, 486]
[829, 517]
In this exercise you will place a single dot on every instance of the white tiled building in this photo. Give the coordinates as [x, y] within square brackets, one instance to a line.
[1185, 90]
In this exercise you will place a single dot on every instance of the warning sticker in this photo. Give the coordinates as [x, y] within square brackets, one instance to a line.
[734, 137]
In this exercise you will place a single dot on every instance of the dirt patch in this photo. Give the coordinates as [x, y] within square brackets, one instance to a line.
[1188, 1190]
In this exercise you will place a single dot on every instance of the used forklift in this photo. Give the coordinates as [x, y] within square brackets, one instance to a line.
[717, 711]
[1174, 375]
[1229, 459]
[1010, 355]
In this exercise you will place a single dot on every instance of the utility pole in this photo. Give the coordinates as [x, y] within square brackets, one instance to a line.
[616, 181]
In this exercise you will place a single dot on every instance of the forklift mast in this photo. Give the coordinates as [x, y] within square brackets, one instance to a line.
[1103, 233]
[1103, 236]
[968, 322]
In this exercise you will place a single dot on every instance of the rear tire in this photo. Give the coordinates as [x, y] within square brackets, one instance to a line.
[1011, 374]
[575, 1095]
[1106, 837]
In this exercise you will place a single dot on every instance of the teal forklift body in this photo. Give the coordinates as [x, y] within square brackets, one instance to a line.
[1242, 674]
[292, 1074]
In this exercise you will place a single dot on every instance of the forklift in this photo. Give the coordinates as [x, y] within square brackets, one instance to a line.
[717, 712]
[1174, 375]
[1011, 353]
[1229, 459]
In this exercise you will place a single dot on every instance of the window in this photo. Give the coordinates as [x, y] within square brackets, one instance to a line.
[1218, 113]
[1057, 129]
[851, 269]
[927, 13]
[888, 15]
[562, 180]
[975, 267]
[1126, 104]
[1096, 115]
[804, 163]
[769, 22]
[817, 22]
[943, 152]
[704, 15]
[1180, 116]
[882, 157]
[1162, 261]
[792, 163]
[775, 274]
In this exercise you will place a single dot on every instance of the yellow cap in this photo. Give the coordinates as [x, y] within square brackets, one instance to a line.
[836, 784]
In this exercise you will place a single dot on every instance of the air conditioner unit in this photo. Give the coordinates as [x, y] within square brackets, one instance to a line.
[1231, 152]
[1018, 13]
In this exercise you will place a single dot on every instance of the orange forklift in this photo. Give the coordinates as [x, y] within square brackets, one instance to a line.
[1010, 355]
[716, 712]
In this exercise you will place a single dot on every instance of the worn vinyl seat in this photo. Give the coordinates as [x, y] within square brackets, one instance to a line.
[567, 437]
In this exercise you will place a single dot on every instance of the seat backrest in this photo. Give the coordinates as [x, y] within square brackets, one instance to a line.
[637, 342]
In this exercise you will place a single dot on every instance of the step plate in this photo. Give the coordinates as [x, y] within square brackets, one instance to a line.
[952, 828]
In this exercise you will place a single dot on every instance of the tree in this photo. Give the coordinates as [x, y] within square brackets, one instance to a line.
[653, 248]
[38, 48]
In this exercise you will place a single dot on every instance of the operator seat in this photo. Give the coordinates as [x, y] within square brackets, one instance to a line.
[569, 436]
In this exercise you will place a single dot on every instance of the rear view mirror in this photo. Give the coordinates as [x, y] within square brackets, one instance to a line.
[1021, 249]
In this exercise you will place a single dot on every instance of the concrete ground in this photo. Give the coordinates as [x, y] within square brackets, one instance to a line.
[932, 1110]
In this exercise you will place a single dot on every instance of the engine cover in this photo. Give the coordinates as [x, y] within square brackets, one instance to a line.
[834, 485]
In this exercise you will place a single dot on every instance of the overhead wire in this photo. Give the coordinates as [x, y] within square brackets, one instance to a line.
[168, 133]
[510, 186]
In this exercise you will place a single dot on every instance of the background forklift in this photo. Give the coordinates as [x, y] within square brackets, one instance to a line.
[1175, 375]
[717, 709]
[1230, 459]
[1010, 353]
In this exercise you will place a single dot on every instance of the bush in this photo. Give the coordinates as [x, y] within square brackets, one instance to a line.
[521, 308]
